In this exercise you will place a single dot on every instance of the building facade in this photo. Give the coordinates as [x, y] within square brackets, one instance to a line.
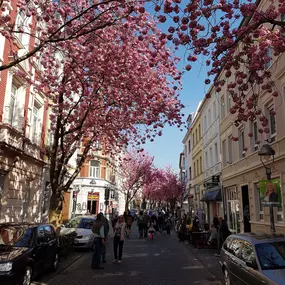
[197, 165]
[23, 116]
[211, 157]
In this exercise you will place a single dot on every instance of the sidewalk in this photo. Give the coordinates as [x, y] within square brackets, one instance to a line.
[207, 258]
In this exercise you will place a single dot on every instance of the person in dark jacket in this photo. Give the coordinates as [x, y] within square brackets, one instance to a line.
[106, 233]
[216, 221]
[223, 233]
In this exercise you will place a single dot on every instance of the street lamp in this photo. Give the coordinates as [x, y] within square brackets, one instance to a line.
[265, 154]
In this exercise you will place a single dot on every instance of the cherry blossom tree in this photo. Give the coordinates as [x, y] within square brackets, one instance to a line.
[117, 98]
[48, 23]
[237, 40]
[135, 169]
[164, 186]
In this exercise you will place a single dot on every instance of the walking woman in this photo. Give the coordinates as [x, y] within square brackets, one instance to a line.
[119, 238]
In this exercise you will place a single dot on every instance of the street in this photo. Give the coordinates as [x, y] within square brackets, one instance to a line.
[161, 261]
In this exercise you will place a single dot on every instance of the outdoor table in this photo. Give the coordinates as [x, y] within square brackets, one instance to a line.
[198, 236]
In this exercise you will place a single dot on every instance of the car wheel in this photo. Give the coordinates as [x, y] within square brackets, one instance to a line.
[55, 262]
[27, 278]
[227, 277]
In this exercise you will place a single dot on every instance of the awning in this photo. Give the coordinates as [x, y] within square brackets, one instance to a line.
[212, 195]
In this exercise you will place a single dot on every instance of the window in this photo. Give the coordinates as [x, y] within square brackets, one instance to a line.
[214, 111]
[222, 107]
[230, 150]
[259, 207]
[194, 139]
[196, 135]
[211, 157]
[41, 236]
[12, 105]
[268, 55]
[236, 246]
[189, 146]
[254, 131]
[229, 102]
[201, 169]
[227, 243]
[190, 173]
[247, 252]
[35, 118]
[209, 117]
[200, 132]
[185, 151]
[224, 153]
[206, 160]
[94, 168]
[241, 143]
[271, 122]
[20, 24]
[197, 167]
[49, 232]
[194, 169]
[216, 153]
[205, 123]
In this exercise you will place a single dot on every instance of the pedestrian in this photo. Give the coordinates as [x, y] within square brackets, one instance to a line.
[213, 235]
[129, 222]
[114, 221]
[106, 233]
[119, 238]
[182, 229]
[140, 223]
[99, 241]
[145, 223]
[168, 225]
[223, 233]
[216, 221]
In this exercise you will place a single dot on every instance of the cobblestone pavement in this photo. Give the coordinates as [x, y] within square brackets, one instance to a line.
[162, 261]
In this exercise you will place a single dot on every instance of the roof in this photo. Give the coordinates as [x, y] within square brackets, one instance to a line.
[257, 238]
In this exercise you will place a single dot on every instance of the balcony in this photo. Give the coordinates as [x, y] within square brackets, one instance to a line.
[16, 141]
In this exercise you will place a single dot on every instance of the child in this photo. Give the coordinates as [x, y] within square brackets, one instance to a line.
[151, 230]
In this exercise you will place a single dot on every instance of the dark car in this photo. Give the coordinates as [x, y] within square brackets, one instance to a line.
[254, 259]
[25, 251]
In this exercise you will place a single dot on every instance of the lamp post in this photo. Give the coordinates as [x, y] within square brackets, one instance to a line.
[265, 154]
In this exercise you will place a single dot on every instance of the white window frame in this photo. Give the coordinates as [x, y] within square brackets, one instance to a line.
[206, 160]
[209, 117]
[20, 22]
[241, 143]
[11, 109]
[211, 157]
[205, 123]
[223, 113]
[272, 135]
[230, 150]
[214, 111]
[94, 171]
[229, 102]
[255, 137]
[224, 153]
[216, 153]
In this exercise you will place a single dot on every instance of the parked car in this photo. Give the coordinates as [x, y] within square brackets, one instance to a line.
[253, 259]
[25, 251]
[82, 226]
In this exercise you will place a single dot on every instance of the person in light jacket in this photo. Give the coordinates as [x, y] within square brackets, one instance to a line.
[119, 237]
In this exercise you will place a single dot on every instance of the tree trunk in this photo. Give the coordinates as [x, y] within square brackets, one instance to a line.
[55, 211]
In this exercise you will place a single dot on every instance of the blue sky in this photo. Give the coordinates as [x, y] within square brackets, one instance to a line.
[166, 149]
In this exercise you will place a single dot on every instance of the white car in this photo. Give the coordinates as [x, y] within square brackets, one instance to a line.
[82, 226]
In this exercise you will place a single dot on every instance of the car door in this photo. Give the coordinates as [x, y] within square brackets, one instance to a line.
[51, 244]
[249, 275]
[233, 260]
[41, 249]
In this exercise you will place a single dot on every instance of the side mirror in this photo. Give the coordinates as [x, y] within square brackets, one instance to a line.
[251, 264]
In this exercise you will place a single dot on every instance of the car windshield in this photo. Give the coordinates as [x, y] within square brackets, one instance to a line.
[271, 255]
[16, 236]
[81, 223]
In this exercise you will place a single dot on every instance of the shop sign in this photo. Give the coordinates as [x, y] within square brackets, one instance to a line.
[216, 178]
[93, 196]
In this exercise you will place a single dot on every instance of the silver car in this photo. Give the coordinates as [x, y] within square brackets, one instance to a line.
[254, 259]
[83, 227]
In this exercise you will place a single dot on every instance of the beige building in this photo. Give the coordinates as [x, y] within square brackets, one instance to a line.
[197, 165]
[241, 165]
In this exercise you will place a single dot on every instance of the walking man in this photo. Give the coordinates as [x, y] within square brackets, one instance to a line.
[106, 233]
[99, 241]
[223, 233]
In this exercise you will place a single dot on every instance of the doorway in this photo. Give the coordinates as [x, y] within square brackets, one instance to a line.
[92, 207]
[246, 208]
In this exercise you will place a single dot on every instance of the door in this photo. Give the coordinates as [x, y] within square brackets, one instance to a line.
[246, 209]
[41, 249]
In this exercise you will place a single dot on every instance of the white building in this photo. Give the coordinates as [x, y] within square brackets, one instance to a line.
[212, 159]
